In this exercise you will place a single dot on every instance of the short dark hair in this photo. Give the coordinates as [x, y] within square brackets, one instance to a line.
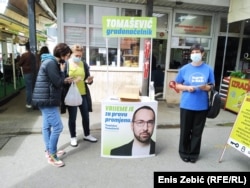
[197, 47]
[143, 107]
[44, 50]
[61, 49]
[27, 46]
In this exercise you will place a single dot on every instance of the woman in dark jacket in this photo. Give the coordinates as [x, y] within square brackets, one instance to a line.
[47, 97]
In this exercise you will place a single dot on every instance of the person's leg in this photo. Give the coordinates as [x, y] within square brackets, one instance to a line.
[186, 121]
[196, 137]
[28, 78]
[54, 119]
[46, 128]
[72, 110]
[85, 120]
[85, 115]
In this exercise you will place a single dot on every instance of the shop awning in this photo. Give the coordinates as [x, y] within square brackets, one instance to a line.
[20, 30]
[14, 20]
[238, 10]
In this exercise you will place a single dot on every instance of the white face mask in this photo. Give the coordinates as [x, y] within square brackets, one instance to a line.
[196, 58]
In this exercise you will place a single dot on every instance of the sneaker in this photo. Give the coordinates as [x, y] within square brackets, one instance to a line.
[58, 153]
[73, 142]
[28, 106]
[55, 161]
[90, 138]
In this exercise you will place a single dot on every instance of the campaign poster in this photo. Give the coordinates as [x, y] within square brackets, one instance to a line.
[125, 137]
[240, 134]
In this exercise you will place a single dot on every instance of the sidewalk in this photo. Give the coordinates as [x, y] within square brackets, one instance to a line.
[23, 162]
[15, 114]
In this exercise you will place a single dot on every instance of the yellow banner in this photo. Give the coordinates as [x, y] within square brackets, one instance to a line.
[236, 92]
[240, 134]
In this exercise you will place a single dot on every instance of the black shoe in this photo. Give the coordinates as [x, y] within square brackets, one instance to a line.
[192, 160]
[185, 159]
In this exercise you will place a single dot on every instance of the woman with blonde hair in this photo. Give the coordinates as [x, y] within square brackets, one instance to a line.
[78, 72]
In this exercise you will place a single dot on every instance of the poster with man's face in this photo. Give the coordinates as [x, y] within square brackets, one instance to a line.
[128, 129]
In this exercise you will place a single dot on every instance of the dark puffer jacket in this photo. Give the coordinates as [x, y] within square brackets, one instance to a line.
[49, 82]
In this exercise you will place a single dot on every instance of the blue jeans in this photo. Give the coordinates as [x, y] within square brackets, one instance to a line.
[52, 127]
[28, 81]
[85, 117]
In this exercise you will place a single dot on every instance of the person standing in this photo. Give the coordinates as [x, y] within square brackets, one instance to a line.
[47, 97]
[28, 64]
[43, 50]
[195, 80]
[78, 72]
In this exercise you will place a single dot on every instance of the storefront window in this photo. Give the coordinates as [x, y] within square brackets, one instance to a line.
[96, 13]
[180, 57]
[180, 53]
[75, 35]
[130, 46]
[179, 42]
[96, 38]
[98, 56]
[192, 24]
[247, 27]
[245, 49]
[130, 51]
[234, 27]
[88, 33]
[95, 57]
[244, 64]
[131, 12]
[162, 20]
[74, 13]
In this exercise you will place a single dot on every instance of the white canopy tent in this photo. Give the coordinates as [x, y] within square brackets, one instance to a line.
[238, 10]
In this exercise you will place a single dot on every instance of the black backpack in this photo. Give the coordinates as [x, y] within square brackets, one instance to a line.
[214, 104]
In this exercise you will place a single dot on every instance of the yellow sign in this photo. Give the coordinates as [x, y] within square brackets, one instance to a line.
[236, 92]
[240, 134]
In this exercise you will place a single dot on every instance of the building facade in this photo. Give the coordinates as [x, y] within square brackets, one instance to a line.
[117, 62]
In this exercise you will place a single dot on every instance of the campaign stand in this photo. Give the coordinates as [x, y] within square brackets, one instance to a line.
[131, 27]
[116, 125]
[240, 134]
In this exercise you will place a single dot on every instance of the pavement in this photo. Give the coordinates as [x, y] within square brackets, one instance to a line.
[23, 163]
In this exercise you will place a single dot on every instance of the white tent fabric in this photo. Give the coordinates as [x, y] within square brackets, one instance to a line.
[238, 10]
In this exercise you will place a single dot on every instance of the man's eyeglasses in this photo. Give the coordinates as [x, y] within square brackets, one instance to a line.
[141, 123]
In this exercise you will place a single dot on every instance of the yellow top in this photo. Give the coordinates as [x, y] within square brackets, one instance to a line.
[78, 71]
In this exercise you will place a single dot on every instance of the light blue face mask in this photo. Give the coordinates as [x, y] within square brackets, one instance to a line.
[196, 58]
[77, 59]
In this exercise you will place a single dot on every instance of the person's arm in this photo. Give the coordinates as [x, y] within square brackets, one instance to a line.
[21, 61]
[182, 87]
[88, 78]
[68, 80]
[206, 87]
[56, 76]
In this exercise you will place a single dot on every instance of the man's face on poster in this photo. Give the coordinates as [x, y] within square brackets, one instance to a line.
[143, 125]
